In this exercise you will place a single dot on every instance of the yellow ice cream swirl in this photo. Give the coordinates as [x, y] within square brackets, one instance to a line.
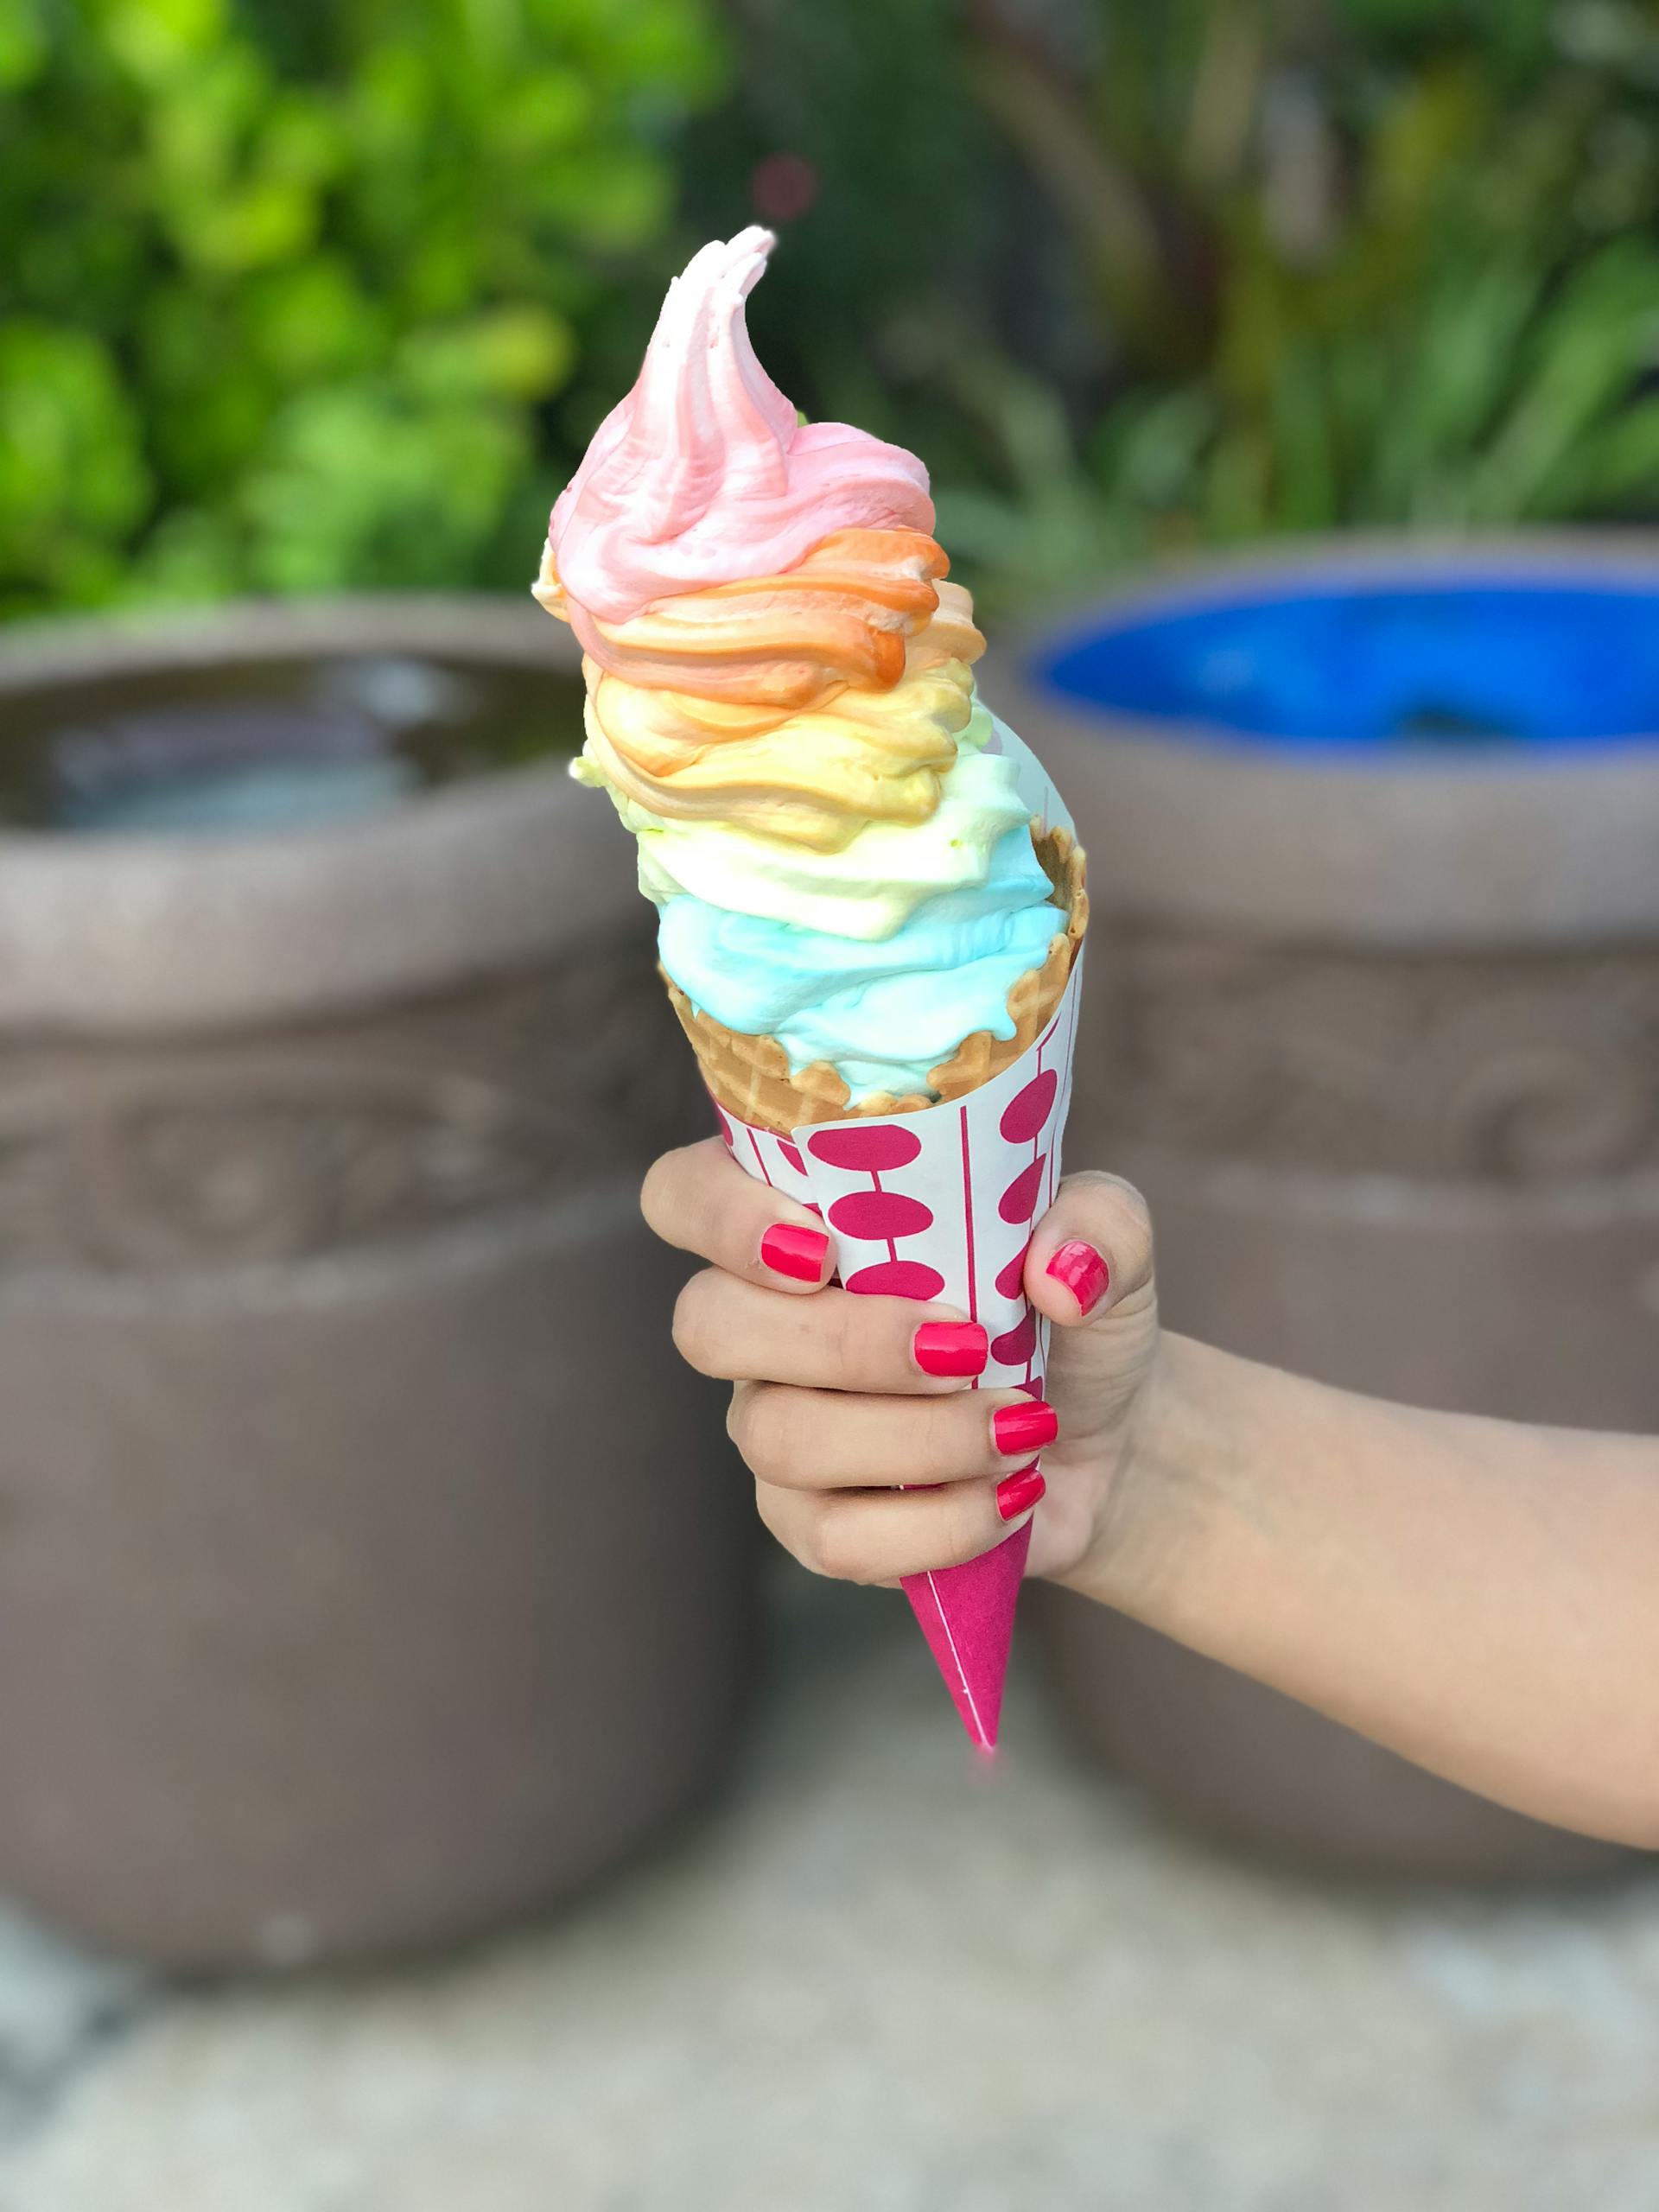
[800, 708]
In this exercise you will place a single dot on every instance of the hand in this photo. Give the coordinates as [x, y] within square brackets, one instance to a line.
[838, 1400]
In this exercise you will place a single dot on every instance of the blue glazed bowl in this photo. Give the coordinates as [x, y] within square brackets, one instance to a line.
[1468, 660]
[1383, 740]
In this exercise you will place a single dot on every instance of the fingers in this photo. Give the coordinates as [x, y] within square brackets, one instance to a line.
[1091, 1253]
[862, 1535]
[833, 1341]
[701, 1200]
[826, 1440]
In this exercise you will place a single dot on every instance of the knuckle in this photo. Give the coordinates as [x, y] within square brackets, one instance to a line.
[843, 1325]
[768, 1505]
[1112, 1192]
[677, 1196]
[838, 1551]
[798, 1524]
[974, 1523]
[1126, 1219]
[655, 1192]
[696, 1339]
[945, 1445]
[766, 1430]
[784, 1519]
[1133, 1208]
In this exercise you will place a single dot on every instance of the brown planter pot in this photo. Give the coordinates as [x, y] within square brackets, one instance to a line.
[1379, 1034]
[350, 1598]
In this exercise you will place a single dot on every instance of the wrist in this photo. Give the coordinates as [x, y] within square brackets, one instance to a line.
[1160, 1495]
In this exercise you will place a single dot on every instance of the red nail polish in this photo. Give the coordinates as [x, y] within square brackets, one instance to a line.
[1083, 1271]
[1015, 1494]
[950, 1348]
[1025, 1428]
[788, 1249]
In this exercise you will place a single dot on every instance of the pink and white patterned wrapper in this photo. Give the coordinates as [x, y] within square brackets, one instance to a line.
[940, 1204]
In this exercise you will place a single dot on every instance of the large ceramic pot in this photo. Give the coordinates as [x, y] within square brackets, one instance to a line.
[353, 1591]
[1374, 1019]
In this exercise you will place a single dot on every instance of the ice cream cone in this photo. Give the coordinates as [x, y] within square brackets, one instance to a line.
[956, 1185]
[957, 1182]
[863, 877]
[751, 1077]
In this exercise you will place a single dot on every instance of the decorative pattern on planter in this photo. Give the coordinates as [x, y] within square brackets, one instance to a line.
[1508, 1068]
[276, 1147]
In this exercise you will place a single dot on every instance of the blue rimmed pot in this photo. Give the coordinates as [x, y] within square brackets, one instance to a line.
[1373, 1020]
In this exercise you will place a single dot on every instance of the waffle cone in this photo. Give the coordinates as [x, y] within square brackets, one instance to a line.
[750, 1076]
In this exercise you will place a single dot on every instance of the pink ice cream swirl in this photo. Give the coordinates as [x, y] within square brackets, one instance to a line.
[702, 475]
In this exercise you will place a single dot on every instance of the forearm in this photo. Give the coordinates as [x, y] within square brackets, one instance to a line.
[1482, 1596]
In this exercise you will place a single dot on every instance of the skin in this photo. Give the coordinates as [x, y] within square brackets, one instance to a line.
[1476, 1594]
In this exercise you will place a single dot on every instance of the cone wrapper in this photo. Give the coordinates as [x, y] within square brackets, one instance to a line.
[939, 1204]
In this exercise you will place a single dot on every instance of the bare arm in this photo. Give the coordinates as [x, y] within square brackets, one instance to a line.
[1481, 1595]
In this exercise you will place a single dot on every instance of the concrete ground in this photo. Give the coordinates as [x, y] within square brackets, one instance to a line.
[880, 1980]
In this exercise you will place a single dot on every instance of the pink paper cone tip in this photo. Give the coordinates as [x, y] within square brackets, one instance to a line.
[967, 1615]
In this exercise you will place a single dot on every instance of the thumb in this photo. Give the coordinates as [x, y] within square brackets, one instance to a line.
[1091, 1254]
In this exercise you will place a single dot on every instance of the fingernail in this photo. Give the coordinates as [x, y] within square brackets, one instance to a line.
[950, 1348]
[1016, 1494]
[1025, 1428]
[788, 1249]
[1083, 1271]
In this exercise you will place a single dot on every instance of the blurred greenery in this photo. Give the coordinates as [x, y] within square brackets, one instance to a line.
[309, 294]
[291, 285]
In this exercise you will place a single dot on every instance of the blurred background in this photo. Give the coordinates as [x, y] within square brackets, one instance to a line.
[301, 299]
[419, 1785]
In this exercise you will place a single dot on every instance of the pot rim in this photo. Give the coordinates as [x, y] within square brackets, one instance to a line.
[1263, 568]
[1340, 844]
[469, 879]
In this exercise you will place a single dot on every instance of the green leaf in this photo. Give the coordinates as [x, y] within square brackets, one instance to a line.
[358, 487]
[522, 354]
[1617, 470]
[312, 319]
[72, 480]
[158, 39]
[22, 43]
[266, 220]
[1589, 347]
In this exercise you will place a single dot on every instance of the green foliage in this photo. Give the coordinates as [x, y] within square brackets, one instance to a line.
[302, 294]
[293, 287]
[1247, 266]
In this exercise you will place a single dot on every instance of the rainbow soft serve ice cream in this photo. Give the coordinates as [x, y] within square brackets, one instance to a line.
[781, 704]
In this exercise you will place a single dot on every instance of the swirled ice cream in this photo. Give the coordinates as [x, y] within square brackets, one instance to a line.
[781, 704]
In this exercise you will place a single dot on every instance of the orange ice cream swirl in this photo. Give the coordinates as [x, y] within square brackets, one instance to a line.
[802, 706]
[843, 615]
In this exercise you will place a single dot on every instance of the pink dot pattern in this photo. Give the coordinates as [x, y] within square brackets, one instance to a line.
[877, 1213]
[940, 1204]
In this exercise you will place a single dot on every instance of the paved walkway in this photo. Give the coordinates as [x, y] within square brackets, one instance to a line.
[881, 1981]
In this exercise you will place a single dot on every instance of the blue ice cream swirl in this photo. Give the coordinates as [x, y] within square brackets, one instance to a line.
[883, 1013]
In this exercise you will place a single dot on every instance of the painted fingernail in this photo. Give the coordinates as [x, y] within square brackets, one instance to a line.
[1017, 1494]
[1025, 1428]
[1083, 1271]
[950, 1348]
[788, 1249]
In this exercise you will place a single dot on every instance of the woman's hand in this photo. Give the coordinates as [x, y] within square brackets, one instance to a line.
[837, 1399]
[1475, 1594]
